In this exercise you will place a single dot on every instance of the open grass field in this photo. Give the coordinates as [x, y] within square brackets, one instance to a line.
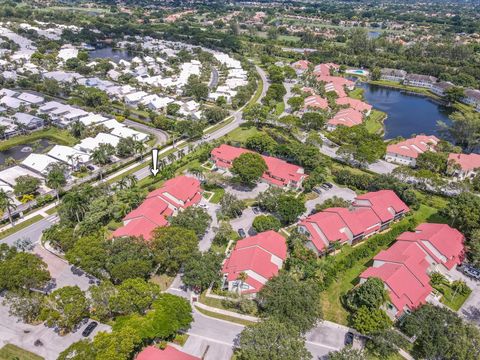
[241, 134]
[12, 352]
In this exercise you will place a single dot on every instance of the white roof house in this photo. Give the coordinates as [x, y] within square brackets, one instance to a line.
[31, 98]
[90, 144]
[125, 132]
[8, 92]
[49, 106]
[11, 102]
[39, 163]
[93, 119]
[69, 155]
[134, 98]
[10, 174]
[30, 121]
[67, 53]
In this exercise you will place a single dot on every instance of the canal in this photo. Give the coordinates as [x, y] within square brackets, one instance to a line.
[408, 113]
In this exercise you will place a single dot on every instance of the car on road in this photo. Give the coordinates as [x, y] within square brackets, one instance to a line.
[242, 234]
[349, 337]
[90, 327]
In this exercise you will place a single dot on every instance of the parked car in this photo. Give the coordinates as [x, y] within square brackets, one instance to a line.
[241, 232]
[203, 206]
[317, 189]
[256, 210]
[328, 185]
[90, 327]
[349, 337]
[470, 271]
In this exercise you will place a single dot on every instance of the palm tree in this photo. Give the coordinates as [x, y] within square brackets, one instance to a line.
[132, 180]
[242, 277]
[138, 148]
[162, 163]
[122, 183]
[56, 178]
[171, 157]
[7, 202]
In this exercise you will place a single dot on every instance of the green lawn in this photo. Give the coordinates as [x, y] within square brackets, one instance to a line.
[356, 94]
[12, 352]
[241, 134]
[374, 122]
[20, 226]
[55, 135]
[453, 300]
[224, 317]
[217, 195]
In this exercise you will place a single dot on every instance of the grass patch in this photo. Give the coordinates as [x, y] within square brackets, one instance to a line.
[241, 134]
[356, 94]
[180, 339]
[53, 134]
[12, 352]
[451, 299]
[20, 226]
[279, 108]
[217, 195]
[164, 281]
[374, 122]
[52, 211]
[224, 317]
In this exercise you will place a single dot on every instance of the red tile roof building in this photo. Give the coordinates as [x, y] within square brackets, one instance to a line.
[301, 65]
[279, 172]
[325, 69]
[356, 104]
[175, 194]
[468, 165]
[336, 84]
[169, 353]
[442, 245]
[406, 152]
[405, 266]
[315, 102]
[352, 225]
[260, 257]
[345, 117]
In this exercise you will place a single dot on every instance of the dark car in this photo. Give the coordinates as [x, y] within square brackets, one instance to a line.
[349, 336]
[256, 210]
[90, 327]
[241, 232]
[328, 185]
[470, 271]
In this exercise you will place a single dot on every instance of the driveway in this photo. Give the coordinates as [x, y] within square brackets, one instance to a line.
[244, 221]
[324, 338]
[344, 193]
[61, 270]
[247, 193]
[471, 307]
[207, 239]
[24, 336]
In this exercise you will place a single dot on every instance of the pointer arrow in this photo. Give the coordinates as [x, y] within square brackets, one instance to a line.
[154, 169]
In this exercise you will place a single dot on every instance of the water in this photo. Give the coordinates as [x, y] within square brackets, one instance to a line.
[408, 114]
[109, 52]
[20, 152]
[374, 34]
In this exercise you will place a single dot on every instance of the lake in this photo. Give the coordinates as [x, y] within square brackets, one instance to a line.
[20, 152]
[408, 113]
[109, 52]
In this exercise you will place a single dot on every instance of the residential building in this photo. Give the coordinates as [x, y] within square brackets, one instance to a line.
[346, 117]
[260, 257]
[472, 97]
[393, 75]
[325, 69]
[88, 145]
[174, 195]
[337, 84]
[440, 87]
[69, 155]
[31, 98]
[356, 104]
[417, 80]
[39, 163]
[442, 245]
[30, 122]
[464, 166]
[10, 128]
[315, 102]
[279, 172]
[301, 65]
[169, 353]
[406, 152]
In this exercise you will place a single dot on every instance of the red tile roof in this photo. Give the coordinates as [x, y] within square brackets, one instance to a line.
[347, 117]
[279, 172]
[301, 64]
[336, 83]
[169, 353]
[324, 69]
[414, 146]
[255, 254]
[179, 192]
[467, 162]
[442, 243]
[358, 105]
[385, 203]
[315, 101]
[308, 90]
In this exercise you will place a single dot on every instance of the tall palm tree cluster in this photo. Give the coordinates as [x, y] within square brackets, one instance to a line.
[7, 203]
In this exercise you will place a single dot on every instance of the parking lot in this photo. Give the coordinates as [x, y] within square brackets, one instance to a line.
[246, 193]
[344, 193]
[25, 336]
[244, 221]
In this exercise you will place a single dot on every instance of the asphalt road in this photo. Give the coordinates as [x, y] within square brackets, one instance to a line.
[161, 136]
[214, 78]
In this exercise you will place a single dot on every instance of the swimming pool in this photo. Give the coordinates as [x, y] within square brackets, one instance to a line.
[358, 72]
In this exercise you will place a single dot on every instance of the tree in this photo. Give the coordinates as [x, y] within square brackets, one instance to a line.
[56, 178]
[172, 109]
[358, 145]
[454, 94]
[215, 114]
[433, 161]
[196, 88]
[7, 203]
[249, 167]
[80, 350]
[261, 143]
[347, 353]
[381, 345]
[296, 102]
[376, 74]
[463, 212]
[316, 177]
[273, 340]
[256, 113]
[134, 296]
[26, 185]
[172, 247]
[313, 120]
[201, 270]
[473, 247]
[369, 321]
[101, 296]
[125, 147]
[464, 130]
[371, 294]
[22, 271]
[24, 304]
[118, 345]
[65, 308]
[90, 254]
[441, 334]
[295, 303]
[266, 222]
[193, 218]
[289, 208]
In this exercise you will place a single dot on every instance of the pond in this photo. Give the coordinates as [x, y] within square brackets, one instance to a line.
[20, 152]
[108, 52]
[407, 113]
